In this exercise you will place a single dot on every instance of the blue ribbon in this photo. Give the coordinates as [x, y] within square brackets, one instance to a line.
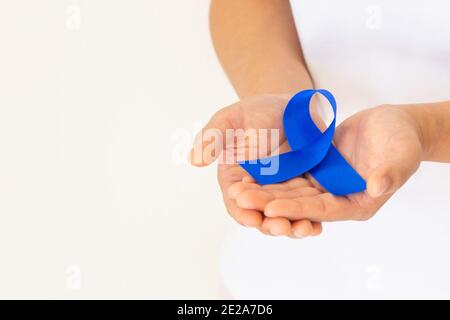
[312, 151]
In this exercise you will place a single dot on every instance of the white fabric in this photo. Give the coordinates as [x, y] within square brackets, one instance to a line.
[367, 53]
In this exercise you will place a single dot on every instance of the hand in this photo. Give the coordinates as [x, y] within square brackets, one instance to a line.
[384, 144]
[257, 112]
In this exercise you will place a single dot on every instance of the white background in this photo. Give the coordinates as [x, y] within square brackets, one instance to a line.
[98, 100]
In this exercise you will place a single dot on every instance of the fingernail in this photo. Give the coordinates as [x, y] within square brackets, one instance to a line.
[298, 234]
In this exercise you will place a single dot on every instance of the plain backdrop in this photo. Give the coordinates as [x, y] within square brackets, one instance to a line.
[99, 100]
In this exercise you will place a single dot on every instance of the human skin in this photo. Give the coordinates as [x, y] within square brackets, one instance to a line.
[385, 144]
[258, 47]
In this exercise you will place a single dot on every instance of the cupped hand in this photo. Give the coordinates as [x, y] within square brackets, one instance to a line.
[384, 144]
[253, 113]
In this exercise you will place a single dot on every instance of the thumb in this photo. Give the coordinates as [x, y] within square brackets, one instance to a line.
[388, 177]
[209, 142]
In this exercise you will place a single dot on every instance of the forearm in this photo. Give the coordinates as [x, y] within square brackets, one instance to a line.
[434, 123]
[258, 47]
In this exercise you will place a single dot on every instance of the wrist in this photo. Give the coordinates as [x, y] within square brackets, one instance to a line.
[426, 125]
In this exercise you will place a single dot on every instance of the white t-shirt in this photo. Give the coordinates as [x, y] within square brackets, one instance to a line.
[367, 53]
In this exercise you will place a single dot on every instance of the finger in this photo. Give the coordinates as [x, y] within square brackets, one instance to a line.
[302, 228]
[227, 175]
[209, 142]
[230, 174]
[238, 187]
[389, 177]
[254, 199]
[257, 199]
[294, 183]
[248, 179]
[248, 184]
[264, 231]
[317, 228]
[245, 217]
[288, 185]
[323, 207]
[276, 226]
[298, 182]
[306, 228]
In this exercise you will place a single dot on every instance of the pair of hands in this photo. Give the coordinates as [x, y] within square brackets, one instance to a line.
[383, 144]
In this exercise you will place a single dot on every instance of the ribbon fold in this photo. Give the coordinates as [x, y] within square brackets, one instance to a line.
[312, 151]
